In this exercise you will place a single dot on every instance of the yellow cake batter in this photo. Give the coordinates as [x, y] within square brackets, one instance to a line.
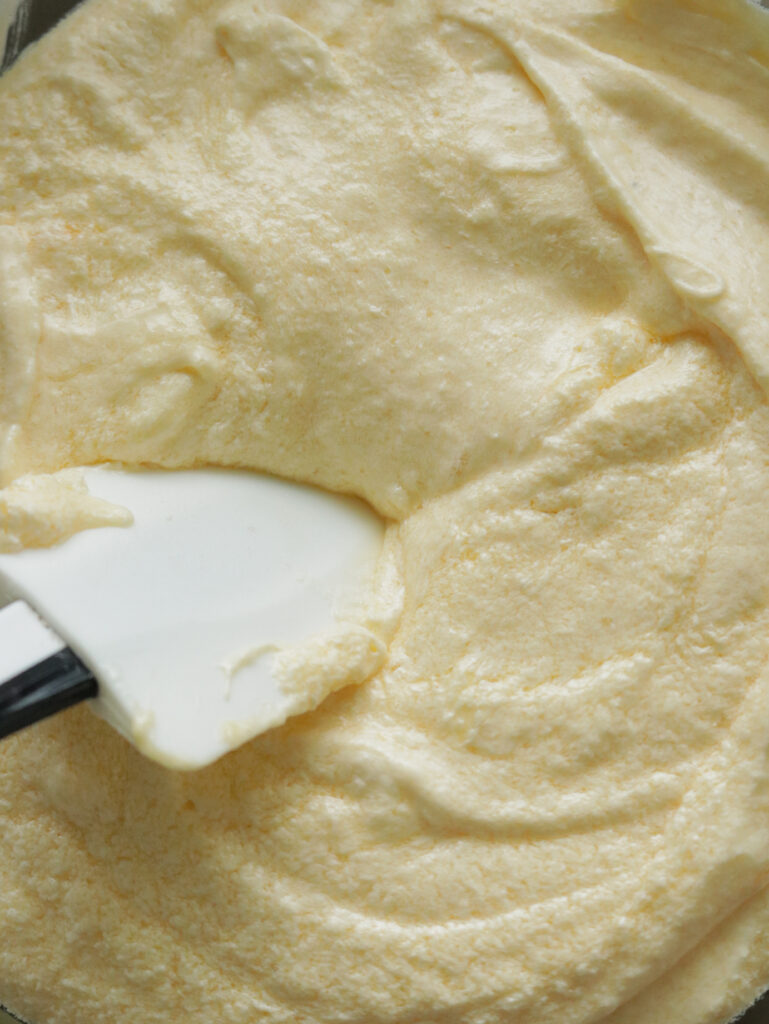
[500, 268]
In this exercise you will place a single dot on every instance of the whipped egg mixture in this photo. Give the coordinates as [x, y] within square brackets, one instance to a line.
[498, 267]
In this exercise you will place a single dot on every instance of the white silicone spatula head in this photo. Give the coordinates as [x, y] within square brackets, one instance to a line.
[173, 614]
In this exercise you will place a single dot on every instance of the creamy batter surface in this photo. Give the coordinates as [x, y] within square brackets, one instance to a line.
[500, 269]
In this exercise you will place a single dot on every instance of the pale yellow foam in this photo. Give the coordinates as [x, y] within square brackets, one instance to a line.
[47, 508]
[499, 268]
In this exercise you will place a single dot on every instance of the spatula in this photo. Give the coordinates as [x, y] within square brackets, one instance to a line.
[154, 622]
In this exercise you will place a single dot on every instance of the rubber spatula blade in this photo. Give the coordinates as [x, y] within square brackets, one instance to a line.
[216, 564]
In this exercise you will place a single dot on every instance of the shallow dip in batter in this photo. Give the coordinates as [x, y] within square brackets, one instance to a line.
[498, 268]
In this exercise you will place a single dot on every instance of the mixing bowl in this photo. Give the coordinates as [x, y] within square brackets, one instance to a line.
[22, 23]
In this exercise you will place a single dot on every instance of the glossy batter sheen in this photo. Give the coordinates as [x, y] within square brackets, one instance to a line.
[498, 267]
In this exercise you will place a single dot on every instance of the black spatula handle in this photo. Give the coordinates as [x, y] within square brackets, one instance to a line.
[41, 690]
